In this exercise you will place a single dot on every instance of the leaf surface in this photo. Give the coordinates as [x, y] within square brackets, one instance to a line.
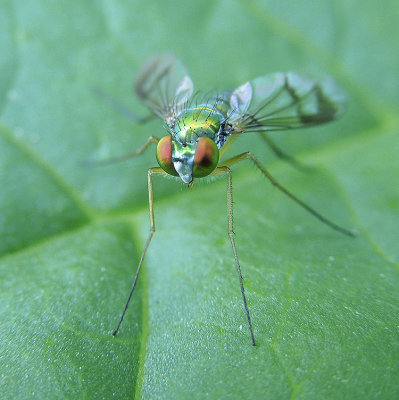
[324, 306]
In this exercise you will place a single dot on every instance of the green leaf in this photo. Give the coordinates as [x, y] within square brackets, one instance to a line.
[324, 306]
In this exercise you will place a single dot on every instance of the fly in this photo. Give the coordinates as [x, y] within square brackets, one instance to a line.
[199, 135]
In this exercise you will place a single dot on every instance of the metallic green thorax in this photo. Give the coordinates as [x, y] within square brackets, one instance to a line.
[189, 126]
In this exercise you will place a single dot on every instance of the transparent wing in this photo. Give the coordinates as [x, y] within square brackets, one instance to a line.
[284, 101]
[164, 86]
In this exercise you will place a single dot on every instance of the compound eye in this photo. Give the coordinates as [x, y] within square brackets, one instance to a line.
[206, 157]
[164, 155]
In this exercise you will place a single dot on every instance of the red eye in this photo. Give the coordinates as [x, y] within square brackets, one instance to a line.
[164, 155]
[206, 157]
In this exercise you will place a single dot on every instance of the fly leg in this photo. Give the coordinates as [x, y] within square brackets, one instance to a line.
[226, 170]
[112, 160]
[120, 107]
[281, 154]
[151, 171]
[321, 218]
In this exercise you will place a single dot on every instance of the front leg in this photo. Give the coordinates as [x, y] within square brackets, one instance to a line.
[151, 171]
[226, 170]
